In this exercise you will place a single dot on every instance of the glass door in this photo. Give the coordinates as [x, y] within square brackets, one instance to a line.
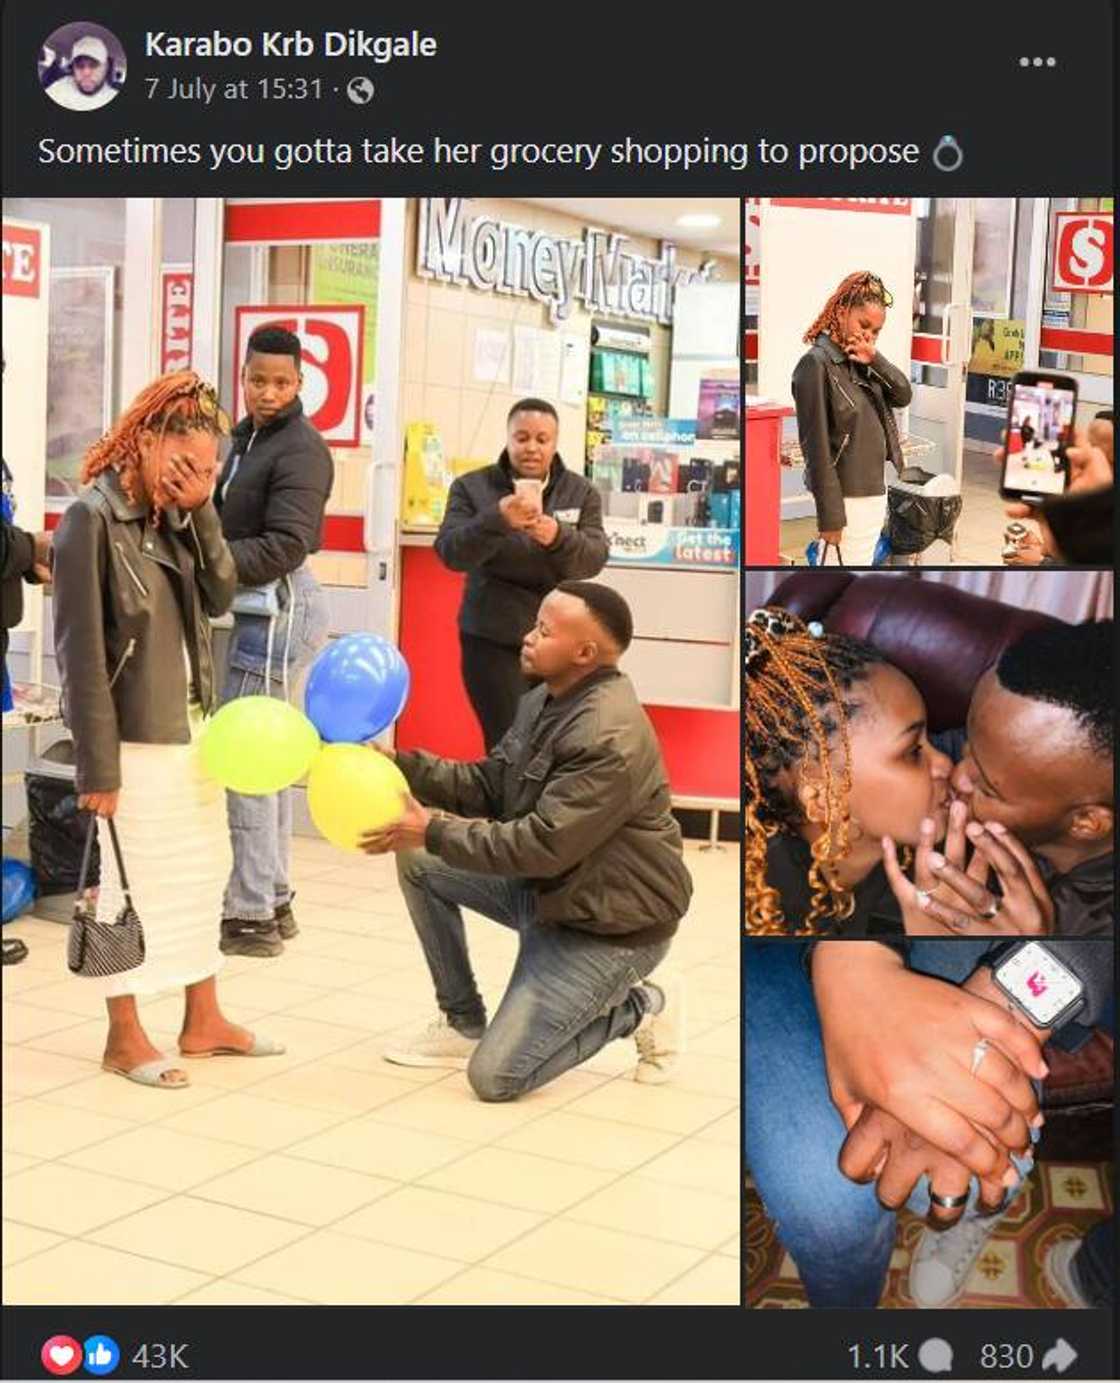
[942, 333]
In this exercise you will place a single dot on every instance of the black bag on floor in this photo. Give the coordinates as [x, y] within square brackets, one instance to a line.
[57, 829]
[916, 521]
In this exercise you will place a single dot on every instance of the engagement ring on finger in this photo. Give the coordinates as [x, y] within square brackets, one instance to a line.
[948, 1202]
[922, 895]
[979, 1052]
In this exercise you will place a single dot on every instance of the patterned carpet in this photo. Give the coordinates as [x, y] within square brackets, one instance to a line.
[1062, 1200]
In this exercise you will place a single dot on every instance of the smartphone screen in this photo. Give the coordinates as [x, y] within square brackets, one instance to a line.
[1039, 423]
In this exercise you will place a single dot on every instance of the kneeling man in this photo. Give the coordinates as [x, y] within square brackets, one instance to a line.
[563, 833]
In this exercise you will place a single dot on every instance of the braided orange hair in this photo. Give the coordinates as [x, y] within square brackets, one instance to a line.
[179, 402]
[853, 291]
[797, 680]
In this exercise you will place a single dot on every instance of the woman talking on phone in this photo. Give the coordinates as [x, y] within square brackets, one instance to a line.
[845, 391]
[517, 528]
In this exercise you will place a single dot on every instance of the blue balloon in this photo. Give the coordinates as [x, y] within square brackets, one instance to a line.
[19, 889]
[357, 686]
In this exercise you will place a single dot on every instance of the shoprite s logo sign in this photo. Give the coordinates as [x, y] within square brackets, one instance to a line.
[597, 271]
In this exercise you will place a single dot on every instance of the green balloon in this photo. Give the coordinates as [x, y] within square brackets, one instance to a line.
[257, 745]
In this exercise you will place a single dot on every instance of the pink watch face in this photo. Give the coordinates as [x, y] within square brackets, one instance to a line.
[1039, 982]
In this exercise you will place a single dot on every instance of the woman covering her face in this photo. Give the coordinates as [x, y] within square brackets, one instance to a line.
[140, 565]
[845, 392]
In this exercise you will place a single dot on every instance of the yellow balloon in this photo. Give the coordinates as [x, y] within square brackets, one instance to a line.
[257, 745]
[351, 790]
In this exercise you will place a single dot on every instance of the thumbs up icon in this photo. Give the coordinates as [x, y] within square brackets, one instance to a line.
[102, 1355]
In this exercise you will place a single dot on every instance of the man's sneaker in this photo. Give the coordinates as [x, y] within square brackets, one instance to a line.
[944, 1258]
[1057, 1268]
[659, 1037]
[285, 920]
[439, 1044]
[241, 936]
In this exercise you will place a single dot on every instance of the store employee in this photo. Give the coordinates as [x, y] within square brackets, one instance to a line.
[517, 528]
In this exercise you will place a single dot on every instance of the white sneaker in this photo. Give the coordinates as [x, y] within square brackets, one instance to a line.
[439, 1044]
[659, 1037]
[944, 1258]
[1057, 1268]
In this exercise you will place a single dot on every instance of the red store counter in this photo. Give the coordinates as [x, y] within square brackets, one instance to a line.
[762, 496]
[701, 746]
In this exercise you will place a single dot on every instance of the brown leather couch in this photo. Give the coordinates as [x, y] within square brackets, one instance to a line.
[942, 637]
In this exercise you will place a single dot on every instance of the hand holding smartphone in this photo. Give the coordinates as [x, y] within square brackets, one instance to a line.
[1040, 413]
[530, 493]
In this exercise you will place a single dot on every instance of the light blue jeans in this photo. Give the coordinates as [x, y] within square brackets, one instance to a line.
[836, 1231]
[261, 827]
[569, 995]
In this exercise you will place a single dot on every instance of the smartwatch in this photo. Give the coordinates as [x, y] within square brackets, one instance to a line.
[1040, 985]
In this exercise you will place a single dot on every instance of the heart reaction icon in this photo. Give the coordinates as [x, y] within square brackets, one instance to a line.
[61, 1354]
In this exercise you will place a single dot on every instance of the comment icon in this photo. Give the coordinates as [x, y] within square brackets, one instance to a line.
[936, 1355]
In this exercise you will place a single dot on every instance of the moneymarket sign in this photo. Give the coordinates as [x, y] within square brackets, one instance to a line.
[596, 271]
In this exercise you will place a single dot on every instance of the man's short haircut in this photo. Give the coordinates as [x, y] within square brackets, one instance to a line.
[1067, 665]
[607, 606]
[274, 340]
[532, 406]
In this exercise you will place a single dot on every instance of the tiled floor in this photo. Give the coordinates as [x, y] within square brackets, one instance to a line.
[979, 536]
[327, 1175]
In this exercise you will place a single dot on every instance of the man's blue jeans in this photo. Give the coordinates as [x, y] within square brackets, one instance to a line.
[569, 995]
[261, 827]
[836, 1231]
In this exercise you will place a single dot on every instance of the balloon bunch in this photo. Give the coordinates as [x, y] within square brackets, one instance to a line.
[357, 687]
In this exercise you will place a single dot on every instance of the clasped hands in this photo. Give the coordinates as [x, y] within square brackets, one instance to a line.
[951, 893]
[900, 1052]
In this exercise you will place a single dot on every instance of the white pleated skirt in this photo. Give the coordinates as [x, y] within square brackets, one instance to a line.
[174, 838]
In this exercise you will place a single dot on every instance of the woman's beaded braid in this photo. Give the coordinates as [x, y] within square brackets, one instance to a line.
[797, 678]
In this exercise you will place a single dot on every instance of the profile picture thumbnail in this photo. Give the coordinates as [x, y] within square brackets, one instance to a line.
[82, 66]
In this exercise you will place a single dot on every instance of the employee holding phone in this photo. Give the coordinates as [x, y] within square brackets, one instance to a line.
[517, 528]
[845, 393]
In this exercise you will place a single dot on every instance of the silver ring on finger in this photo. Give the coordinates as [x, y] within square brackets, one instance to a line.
[948, 1202]
[979, 1052]
[922, 897]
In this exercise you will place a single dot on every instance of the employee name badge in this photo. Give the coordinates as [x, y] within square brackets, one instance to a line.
[1041, 985]
[566, 515]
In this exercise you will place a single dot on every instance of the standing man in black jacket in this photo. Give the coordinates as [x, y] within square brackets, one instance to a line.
[515, 548]
[25, 557]
[271, 495]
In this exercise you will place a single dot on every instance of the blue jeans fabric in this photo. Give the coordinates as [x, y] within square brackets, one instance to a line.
[261, 827]
[836, 1231]
[569, 995]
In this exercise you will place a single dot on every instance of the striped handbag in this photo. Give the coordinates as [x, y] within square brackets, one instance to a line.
[98, 949]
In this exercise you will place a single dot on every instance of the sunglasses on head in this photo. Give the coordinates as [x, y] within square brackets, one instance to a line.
[207, 399]
[874, 287]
